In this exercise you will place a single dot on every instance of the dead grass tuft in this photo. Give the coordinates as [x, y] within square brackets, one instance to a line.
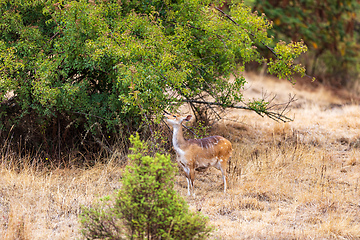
[251, 204]
[19, 224]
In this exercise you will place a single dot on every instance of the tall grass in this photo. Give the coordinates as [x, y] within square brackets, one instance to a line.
[38, 203]
[298, 180]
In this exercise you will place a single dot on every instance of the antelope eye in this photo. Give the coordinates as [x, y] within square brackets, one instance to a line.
[174, 116]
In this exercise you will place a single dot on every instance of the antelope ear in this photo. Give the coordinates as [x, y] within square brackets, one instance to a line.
[188, 118]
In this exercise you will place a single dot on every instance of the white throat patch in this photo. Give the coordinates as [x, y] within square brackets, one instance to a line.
[175, 141]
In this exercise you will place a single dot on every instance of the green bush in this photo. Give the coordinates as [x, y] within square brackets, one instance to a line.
[328, 28]
[108, 63]
[147, 206]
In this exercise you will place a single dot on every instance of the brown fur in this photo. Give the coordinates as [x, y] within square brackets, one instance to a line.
[201, 150]
[199, 154]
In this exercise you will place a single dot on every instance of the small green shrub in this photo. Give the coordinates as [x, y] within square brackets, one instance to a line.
[147, 206]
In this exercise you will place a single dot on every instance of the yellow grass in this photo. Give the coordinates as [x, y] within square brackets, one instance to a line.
[45, 205]
[298, 180]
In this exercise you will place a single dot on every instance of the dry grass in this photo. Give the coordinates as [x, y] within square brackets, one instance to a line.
[298, 180]
[45, 204]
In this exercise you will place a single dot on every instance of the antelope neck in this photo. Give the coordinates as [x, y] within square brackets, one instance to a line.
[178, 138]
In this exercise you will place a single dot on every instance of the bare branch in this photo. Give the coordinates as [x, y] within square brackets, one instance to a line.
[273, 115]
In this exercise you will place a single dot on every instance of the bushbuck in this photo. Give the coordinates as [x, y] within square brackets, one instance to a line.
[198, 154]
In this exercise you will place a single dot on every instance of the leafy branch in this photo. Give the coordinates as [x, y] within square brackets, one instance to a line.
[261, 107]
[278, 54]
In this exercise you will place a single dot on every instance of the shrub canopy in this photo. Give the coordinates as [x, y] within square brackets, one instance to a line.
[111, 62]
